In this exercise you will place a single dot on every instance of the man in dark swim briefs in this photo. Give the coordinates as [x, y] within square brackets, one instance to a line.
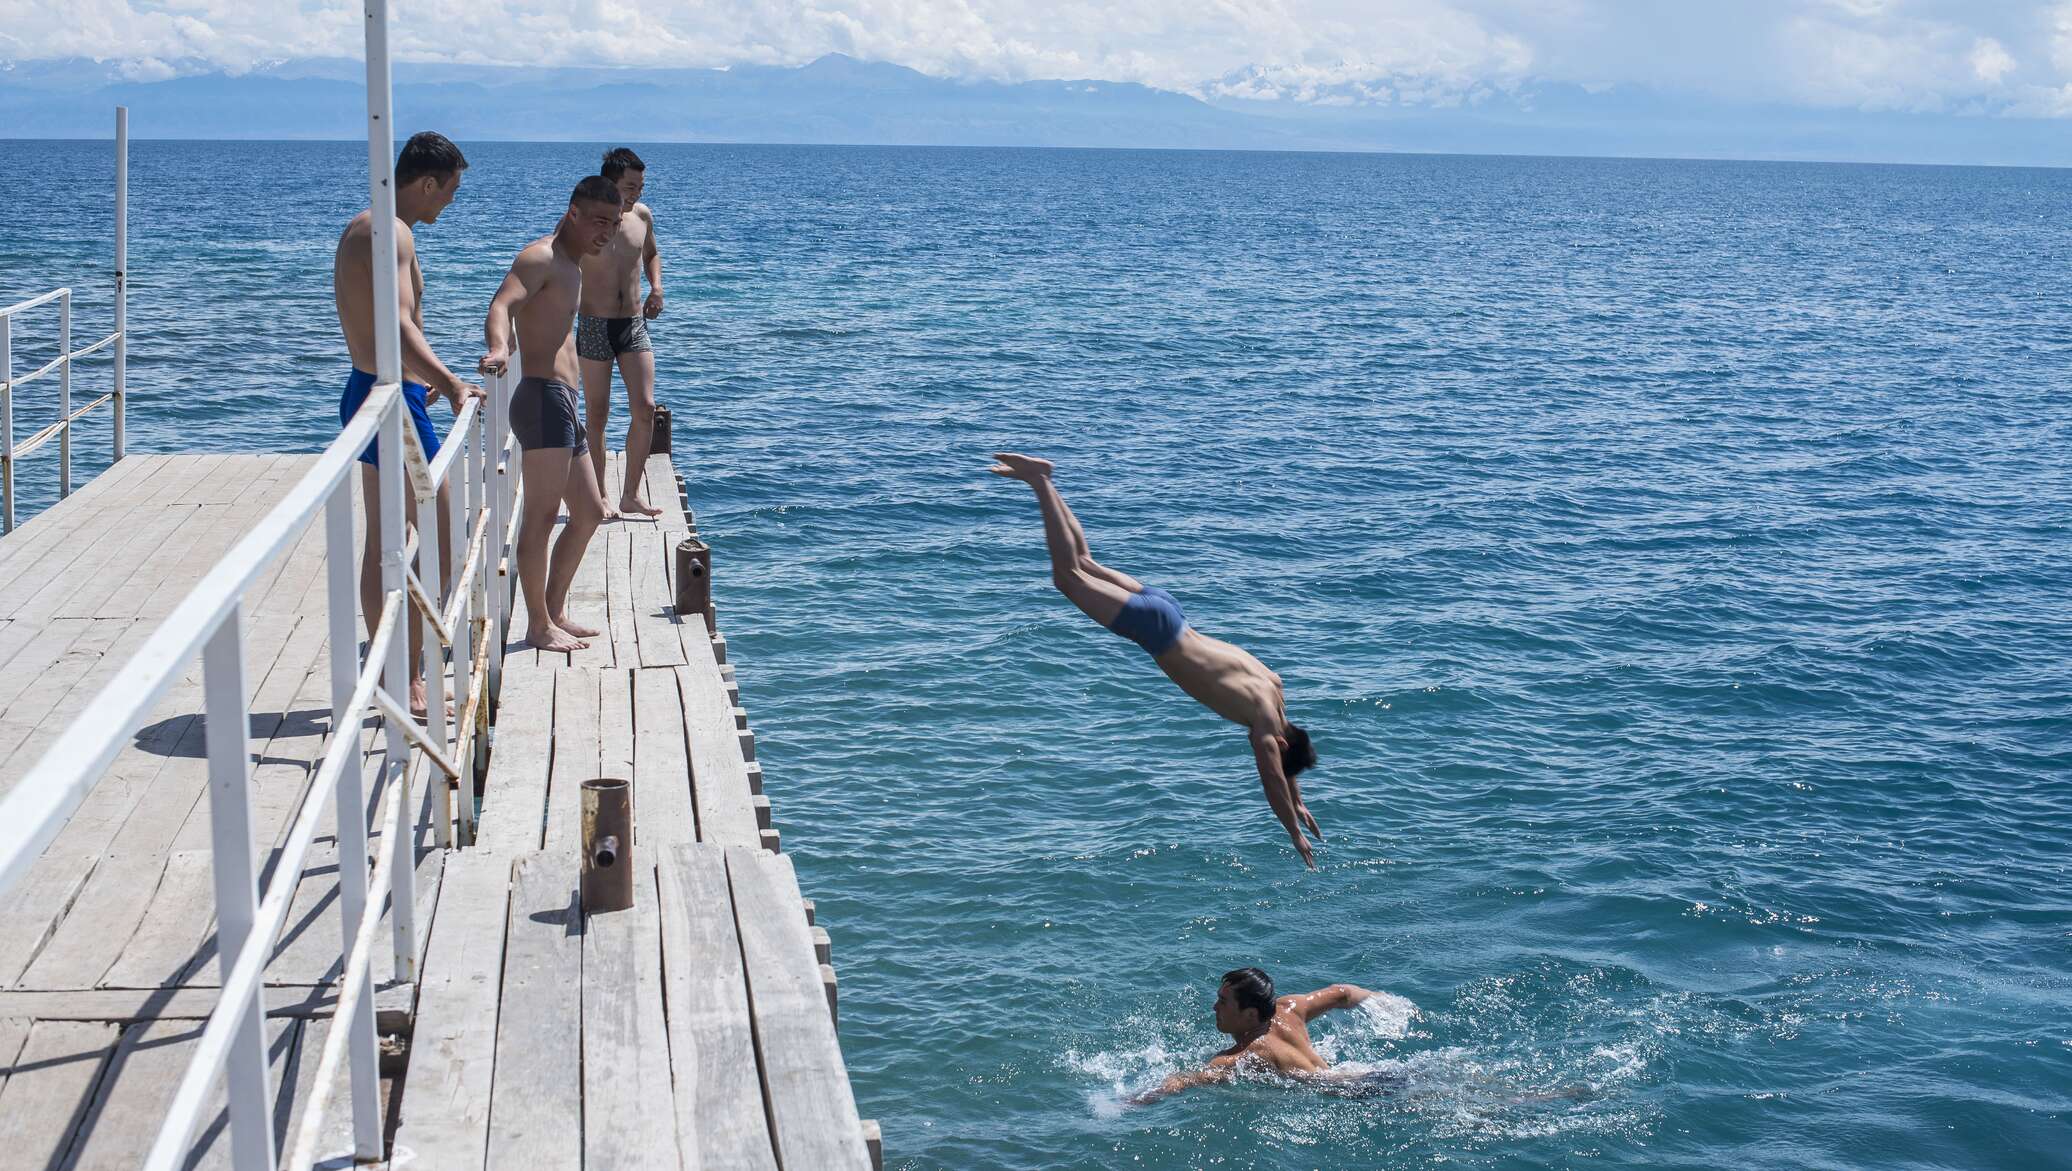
[1268, 1033]
[427, 178]
[1221, 677]
[537, 303]
[611, 327]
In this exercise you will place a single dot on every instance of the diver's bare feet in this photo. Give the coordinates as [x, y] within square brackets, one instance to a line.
[575, 628]
[1026, 468]
[553, 638]
[635, 506]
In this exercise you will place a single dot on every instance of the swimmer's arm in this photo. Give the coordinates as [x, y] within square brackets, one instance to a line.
[1325, 1000]
[651, 261]
[527, 274]
[1266, 752]
[1218, 1070]
[418, 356]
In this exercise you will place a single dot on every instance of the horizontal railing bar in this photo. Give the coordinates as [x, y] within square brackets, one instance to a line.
[427, 607]
[28, 446]
[99, 345]
[38, 372]
[443, 462]
[32, 302]
[389, 708]
[477, 546]
[240, 986]
[353, 981]
[31, 812]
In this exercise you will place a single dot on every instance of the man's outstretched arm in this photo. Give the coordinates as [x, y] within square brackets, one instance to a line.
[1266, 752]
[527, 274]
[651, 263]
[417, 349]
[1218, 1070]
[1325, 1000]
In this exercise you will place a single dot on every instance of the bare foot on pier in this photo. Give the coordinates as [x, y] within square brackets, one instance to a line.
[575, 628]
[420, 703]
[553, 638]
[635, 506]
[1026, 468]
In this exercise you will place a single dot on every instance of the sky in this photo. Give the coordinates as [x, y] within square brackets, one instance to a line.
[1994, 58]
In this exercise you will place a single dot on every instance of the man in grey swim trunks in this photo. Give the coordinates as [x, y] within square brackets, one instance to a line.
[612, 327]
[539, 297]
[1267, 1032]
[1216, 674]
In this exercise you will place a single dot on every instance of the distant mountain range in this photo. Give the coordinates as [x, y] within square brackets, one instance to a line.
[841, 100]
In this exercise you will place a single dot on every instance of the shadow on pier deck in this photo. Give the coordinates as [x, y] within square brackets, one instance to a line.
[695, 1029]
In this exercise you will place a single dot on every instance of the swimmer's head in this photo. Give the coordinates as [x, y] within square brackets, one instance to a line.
[428, 171]
[626, 172]
[1297, 753]
[1245, 1002]
[594, 208]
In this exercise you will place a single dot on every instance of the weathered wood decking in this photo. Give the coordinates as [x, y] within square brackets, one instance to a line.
[695, 1030]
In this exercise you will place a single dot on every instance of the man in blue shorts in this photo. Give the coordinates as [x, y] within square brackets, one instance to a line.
[1219, 676]
[427, 177]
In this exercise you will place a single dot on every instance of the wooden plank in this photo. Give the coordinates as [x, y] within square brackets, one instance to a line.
[662, 811]
[36, 719]
[812, 1111]
[514, 799]
[140, 1004]
[297, 1094]
[615, 724]
[138, 1088]
[586, 602]
[173, 926]
[620, 603]
[719, 773]
[14, 1032]
[45, 542]
[446, 1099]
[535, 1110]
[31, 911]
[210, 1150]
[654, 605]
[575, 756]
[720, 1120]
[629, 1119]
[50, 1089]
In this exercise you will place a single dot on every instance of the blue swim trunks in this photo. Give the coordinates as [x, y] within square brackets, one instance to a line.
[356, 389]
[1152, 620]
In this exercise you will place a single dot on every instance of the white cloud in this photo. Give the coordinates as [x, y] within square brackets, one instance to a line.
[1867, 54]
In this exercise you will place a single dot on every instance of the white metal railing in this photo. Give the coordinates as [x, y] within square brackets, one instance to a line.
[463, 611]
[61, 428]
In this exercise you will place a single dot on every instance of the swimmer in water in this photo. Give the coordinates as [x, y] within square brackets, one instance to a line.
[1221, 677]
[1267, 1033]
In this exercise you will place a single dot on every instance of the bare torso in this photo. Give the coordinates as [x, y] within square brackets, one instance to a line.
[352, 288]
[1285, 1047]
[543, 318]
[611, 278]
[1225, 679]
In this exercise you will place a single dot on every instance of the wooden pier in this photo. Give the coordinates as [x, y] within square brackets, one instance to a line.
[696, 1029]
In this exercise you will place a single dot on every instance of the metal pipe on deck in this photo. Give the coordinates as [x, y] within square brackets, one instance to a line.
[7, 424]
[607, 882]
[65, 394]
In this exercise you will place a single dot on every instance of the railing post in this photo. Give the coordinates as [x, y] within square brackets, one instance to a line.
[339, 556]
[493, 484]
[65, 395]
[433, 660]
[6, 425]
[396, 681]
[226, 726]
[459, 494]
[121, 270]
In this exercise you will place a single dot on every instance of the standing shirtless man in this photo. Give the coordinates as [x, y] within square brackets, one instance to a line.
[1219, 676]
[427, 178]
[1266, 1032]
[539, 296]
[609, 329]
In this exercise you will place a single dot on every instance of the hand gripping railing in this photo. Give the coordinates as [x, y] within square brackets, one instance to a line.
[61, 427]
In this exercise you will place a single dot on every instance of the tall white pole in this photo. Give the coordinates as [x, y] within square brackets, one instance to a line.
[121, 270]
[381, 200]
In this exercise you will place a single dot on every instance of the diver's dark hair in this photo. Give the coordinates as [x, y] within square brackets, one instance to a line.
[1299, 754]
[596, 189]
[1252, 989]
[428, 153]
[619, 160]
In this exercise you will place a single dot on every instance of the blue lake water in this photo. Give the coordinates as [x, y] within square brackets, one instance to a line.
[1669, 558]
